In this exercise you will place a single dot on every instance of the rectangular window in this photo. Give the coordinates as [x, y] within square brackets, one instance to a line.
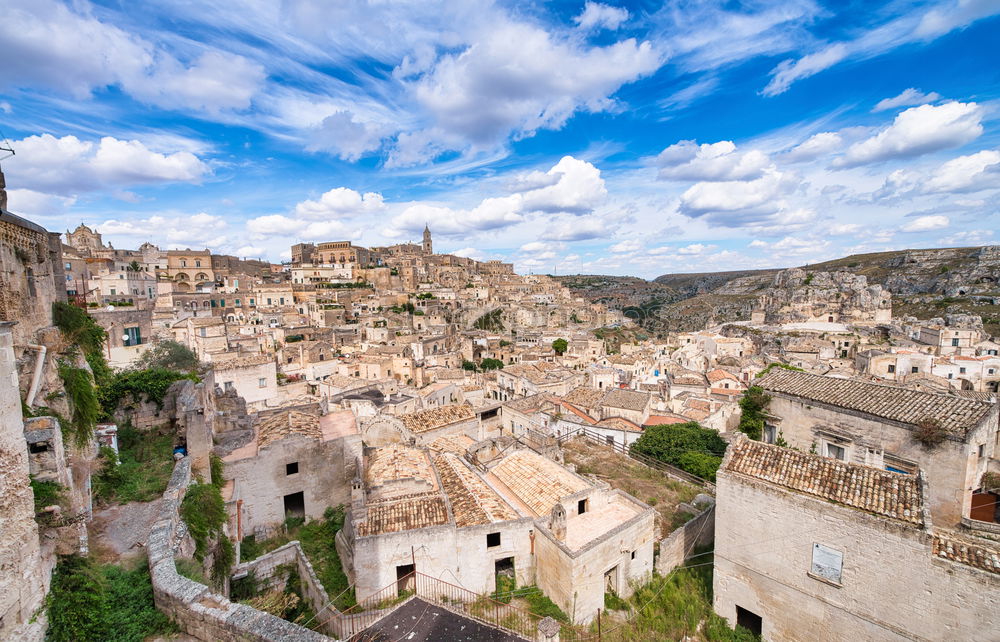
[492, 540]
[914, 369]
[892, 369]
[581, 507]
[69, 266]
[982, 450]
[269, 300]
[292, 468]
[836, 452]
[262, 383]
[961, 371]
[770, 433]
[202, 332]
[251, 302]
[282, 301]
[954, 341]
[113, 292]
[134, 336]
[827, 563]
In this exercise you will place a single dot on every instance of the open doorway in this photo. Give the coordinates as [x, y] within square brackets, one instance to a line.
[749, 620]
[406, 579]
[611, 580]
[295, 505]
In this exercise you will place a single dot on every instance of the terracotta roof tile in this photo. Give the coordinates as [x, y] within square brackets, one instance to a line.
[403, 515]
[977, 555]
[626, 399]
[537, 481]
[425, 420]
[874, 490]
[472, 500]
[956, 414]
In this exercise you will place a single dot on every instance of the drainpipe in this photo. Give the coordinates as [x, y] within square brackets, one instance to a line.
[37, 377]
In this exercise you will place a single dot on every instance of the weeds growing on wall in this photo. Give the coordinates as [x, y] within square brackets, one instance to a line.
[83, 403]
[141, 470]
[204, 512]
[47, 493]
[89, 601]
[141, 385]
[753, 405]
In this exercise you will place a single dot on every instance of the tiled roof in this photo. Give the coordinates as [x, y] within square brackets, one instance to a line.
[955, 414]
[406, 514]
[626, 399]
[472, 500]
[619, 423]
[425, 420]
[585, 397]
[531, 403]
[976, 555]
[284, 424]
[537, 481]
[874, 490]
[396, 461]
[657, 420]
[243, 362]
[457, 444]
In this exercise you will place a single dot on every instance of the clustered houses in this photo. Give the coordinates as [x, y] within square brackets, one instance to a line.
[422, 392]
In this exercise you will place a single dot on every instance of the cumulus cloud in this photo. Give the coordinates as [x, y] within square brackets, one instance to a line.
[338, 203]
[469, 253]
[731, 196]
[69, 165]
[918, 130]
[213, 82]
[582, 228]
[26, 202]
[576, 186]
[198, 230]
[687, 160]
[908, 97]
[624, 247]
[517, 79]
[695, 249]
[927, 224]
[600, 16]
[815, 146]
[963, 174]
[272, 225]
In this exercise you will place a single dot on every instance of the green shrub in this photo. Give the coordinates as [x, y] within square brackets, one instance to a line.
[753, 405]
[141, 470]
[540, 604]
[560, 346]
[150, 385]
[83, 402]
[688, 446]
[614, 603]
[47, 493]
[505, 588]
[204, 512]
[491, 364]
[78, 327]
[170, 355]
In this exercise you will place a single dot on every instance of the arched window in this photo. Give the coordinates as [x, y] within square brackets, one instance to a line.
[181, 276]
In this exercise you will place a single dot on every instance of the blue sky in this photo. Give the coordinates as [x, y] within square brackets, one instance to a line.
[621, 138]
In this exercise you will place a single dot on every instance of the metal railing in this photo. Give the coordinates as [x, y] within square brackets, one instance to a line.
[351, 623]
[672, 471]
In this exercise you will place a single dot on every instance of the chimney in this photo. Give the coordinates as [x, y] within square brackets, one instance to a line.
[558, 524]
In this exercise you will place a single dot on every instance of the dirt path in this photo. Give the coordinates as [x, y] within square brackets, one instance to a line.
[120, 531]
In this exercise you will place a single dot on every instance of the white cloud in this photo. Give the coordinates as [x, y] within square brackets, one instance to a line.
[624, 247]
[198, 230]
[278, 225]
[720, 161]
[729, 196]
[340, 202]
[577, 188]
[342, 135]
[918, 130]
[908, 97]
[969, 237]
[26, 202]
[695, 249]
[966, 173]
[582, 228]
[469, 253]
[68, 165]
[927, 224]
[815, 146]
[789, 71]
[844, 229]
[912, 26]
[516, 79]
[73, 52]
[597, 16]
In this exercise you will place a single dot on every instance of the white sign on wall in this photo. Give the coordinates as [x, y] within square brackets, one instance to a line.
[827, 562]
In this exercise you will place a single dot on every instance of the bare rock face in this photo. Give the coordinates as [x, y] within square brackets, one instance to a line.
[951, 271]
[797, 296]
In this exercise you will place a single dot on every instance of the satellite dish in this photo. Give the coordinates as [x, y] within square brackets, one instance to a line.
[110, 308]
[124, 337]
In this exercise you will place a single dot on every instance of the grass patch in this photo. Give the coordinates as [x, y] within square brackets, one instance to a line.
[89, 601]
[47, 493]
[318, 540]
[141, 470]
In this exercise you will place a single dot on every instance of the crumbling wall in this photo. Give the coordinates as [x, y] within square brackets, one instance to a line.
[678, 546]
[197, 610]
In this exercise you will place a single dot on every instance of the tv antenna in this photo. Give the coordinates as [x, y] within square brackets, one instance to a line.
[6, 147]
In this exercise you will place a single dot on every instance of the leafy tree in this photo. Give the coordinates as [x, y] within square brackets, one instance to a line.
[688, 446]
[468, 365]
[491, 364]
[560, 346]
[171, 355]
[77, 608]
[753, 405]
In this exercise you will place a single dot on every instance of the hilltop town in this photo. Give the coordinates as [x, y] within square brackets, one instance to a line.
[337, 446]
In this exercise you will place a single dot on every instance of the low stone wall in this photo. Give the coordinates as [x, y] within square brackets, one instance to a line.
[197, 610]
[676, 547]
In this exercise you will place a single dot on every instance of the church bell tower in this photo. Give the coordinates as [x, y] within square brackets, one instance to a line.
[428, 247]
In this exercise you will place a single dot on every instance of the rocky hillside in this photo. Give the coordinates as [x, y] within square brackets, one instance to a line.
[923, 283]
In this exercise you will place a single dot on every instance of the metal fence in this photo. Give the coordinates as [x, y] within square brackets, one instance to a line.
[663, 467]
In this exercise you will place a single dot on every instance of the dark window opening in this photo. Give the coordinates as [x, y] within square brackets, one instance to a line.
[581, 507]
[406, 578]
[749, 620]
[633, 554]
[295, 505]
[39, 447]
[492, 539]
[292, 468]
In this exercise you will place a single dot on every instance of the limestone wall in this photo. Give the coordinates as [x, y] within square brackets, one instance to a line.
[892, 587]
[676, 547]
[194, 607]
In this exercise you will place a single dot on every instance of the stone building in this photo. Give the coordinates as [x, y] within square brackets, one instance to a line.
[297, 463]
[809, 548]
[879, 425]
[254, 378]
[84, 240]
[497, 510]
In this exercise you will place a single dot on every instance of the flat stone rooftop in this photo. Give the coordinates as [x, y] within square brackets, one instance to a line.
[420, 621]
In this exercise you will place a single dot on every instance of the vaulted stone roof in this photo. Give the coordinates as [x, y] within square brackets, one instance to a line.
[403, 515]
[873, 490]
[537, 481]
[473, 502]
[955, 414]
[626, 399]
[287, 423]
[425, 420]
